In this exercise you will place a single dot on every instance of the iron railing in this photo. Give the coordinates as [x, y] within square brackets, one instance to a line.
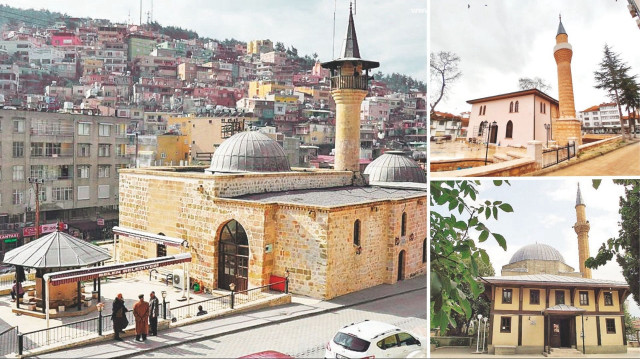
[553, 156]
[9, 341]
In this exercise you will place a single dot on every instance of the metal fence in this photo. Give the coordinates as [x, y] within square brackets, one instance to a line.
[9, 341]
[553, 156]
[228, 301]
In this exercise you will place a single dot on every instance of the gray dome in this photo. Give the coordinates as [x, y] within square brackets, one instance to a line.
[537, 251]
[393, 166]
[249, 151]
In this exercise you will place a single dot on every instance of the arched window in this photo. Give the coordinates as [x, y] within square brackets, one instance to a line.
[480, 113]
[509, 130]
[161, 249]
[484, 110]
[356, 233]
[424, 251]
[516, 109]
[511, 107]
[480, 128]
[403, 227]
[541, 110]
[544, 107]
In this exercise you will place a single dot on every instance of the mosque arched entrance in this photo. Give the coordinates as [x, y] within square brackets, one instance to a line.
[233, 258]
[401, 259]
[493, 135]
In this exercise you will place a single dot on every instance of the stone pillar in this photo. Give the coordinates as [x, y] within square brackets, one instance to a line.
[347, 154]
[534, 151]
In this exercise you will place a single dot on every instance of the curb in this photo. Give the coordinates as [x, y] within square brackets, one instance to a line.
[285, 320]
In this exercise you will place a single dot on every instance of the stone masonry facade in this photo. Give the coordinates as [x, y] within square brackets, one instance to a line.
[314, 243]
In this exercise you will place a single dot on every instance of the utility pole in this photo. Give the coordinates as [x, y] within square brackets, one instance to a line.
[37, 182]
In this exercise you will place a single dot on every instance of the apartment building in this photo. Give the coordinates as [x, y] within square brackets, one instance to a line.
[77, 157]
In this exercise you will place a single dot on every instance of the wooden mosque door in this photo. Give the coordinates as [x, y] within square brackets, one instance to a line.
[233, 257]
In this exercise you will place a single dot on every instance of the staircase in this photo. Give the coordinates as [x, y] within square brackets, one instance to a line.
[563, 353]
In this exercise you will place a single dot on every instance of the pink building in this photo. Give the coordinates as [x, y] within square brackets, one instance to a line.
[519, 118]
[65, 39]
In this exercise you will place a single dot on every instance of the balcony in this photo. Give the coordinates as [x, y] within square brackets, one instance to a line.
[349, 82]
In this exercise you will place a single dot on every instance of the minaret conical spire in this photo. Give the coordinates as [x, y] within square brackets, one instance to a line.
[561, 29]
[579, 199]
[350, 48]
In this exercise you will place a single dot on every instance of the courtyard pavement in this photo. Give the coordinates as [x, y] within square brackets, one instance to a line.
[462, 149]
[299, 307]
[461, 352]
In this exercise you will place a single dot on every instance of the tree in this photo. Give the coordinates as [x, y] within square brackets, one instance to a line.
[280, 47]
[630, 98]
[626, 247]
[628, 321]
[452, 247]
[527, 83]
[479, 305]
[444, 72]
[611, 76]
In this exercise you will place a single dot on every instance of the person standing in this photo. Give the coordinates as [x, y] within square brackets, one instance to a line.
[154, 305]
[141, 313]
[119, 316]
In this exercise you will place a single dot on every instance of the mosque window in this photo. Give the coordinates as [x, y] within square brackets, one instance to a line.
[505, 325]
[584, 297]
[559, 297]
[534, 296]
[516, 107]
[403, 227]
[608, 298]
[424, 251]
[480, 113]
[356, 233]
[611, 326]
[509, 130]
[511, 107]
[507, 296]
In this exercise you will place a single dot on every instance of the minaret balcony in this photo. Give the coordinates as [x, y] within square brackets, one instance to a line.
[349, 82]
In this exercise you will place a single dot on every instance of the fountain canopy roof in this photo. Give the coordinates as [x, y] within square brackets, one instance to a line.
[56, 250]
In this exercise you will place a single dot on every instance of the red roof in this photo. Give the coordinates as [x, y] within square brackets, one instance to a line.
[592, 108]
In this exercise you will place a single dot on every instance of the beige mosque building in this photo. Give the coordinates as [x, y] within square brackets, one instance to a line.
[249, 216]
[540, 304]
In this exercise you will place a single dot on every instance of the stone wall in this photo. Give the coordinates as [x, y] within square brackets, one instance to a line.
[604, 145]
[454, 165]
[563, 129]
[519, 167]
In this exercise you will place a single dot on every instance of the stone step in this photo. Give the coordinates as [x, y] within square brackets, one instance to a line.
[563, 353]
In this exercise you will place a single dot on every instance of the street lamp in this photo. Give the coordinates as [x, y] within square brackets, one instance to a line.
[489, 126]
[484, 332]
[478, 341]
[547, 127]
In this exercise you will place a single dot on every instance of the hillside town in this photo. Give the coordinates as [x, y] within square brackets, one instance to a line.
[88, 97]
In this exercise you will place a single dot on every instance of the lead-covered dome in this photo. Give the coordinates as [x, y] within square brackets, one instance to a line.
[249, 151]
[537, 252]
[393, 166]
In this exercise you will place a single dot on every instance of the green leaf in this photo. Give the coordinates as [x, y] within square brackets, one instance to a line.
[506, 207]
[483, 236]
[461, 225]
[495, 213]
[497, 182]
[501, 241]
[596, 183]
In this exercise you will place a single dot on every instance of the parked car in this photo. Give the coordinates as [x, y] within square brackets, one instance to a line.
[267, 354]
[372, 339]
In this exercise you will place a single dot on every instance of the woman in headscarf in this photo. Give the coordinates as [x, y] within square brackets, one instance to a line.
[119, 316]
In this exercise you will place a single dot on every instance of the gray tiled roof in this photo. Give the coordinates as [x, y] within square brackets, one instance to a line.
[537, 251]
[334, 197]
[249, 151]
[394, 167]
[56, 250]
[550, 278]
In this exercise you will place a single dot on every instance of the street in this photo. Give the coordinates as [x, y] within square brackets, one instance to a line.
[306, 337]
[621, 162]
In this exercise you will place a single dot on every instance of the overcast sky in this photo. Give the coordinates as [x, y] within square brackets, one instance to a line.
[500, 41]
[391, 32]
[544, 212]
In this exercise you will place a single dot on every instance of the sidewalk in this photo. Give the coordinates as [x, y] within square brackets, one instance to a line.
[300, 307]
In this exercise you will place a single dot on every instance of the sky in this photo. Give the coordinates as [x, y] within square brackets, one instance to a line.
[544, 212]
[500, 41]
[399, 46]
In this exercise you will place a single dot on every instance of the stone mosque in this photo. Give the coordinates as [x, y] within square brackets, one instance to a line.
[250, 216]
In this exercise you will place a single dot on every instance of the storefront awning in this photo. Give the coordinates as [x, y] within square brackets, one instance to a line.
[75, 275]
[150, 237]
[564, 309]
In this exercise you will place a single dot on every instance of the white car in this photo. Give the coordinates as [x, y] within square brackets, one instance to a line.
[371, 339]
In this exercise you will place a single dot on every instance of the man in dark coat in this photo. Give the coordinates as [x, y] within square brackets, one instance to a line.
[154, 306]
[141, 313]
[119, 316]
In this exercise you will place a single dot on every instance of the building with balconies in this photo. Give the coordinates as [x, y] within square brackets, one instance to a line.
[77, 157]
